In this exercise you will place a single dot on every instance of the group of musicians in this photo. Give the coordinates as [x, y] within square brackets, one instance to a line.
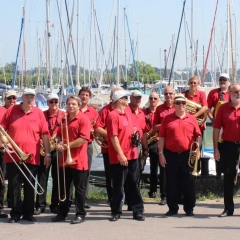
[33, 140]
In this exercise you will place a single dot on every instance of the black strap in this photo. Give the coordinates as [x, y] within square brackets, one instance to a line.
[220, 94]
[148, 118]
[55, 125]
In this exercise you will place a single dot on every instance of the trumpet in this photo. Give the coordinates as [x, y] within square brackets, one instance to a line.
[69, 160]
[52, 141]
[193, 158]
[5, 139]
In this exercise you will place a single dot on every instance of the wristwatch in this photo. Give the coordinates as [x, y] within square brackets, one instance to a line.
[48, 154]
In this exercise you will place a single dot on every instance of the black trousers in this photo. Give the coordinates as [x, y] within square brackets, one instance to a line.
[229, 161]
[79, 179]
[90, 154]
[154, 164]
[2, 182]
[220, 163]
[177, 169]
[15, 180]
[42, 177]
[128, 176]
[108, 175]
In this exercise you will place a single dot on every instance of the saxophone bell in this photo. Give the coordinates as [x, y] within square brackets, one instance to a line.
[194, 157]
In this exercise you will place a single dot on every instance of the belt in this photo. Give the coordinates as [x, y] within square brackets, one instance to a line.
[232, 142]
[178, 152]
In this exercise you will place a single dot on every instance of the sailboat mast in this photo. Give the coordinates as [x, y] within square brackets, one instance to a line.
[192, 49]
[228, 42]
[117, 42]
[78, 24]
[233, 68]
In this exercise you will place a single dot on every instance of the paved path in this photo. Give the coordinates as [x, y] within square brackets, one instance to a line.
[204, 225]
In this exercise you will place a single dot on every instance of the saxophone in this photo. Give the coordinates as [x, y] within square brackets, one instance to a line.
[52, 141]
[152, 137]
[193, 158]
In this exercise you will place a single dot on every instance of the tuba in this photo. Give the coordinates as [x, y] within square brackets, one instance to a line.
[193, 158]
[100, 140]
[52, 141]
[192, 108]
[152, 137]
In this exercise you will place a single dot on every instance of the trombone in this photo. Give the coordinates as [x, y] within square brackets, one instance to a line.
[2, 179]
[21, 156]
[69, 160]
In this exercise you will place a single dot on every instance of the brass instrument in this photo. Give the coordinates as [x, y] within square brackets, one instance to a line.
[6, 139]
[2, 179]
[237, 168]
[193, 158]
[52, 141]
[152, 137]
[192, 108]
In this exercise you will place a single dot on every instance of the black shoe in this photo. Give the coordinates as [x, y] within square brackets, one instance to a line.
[139, 217]
[3, 214]
[226, 213]
[29, 218]
[38, 211]
[152, 194]
[13, 219]
[163, 201]
[171, 213]
[190, 214]
[54, 210]
[87, 206]
[59, 218]
[114, 218]
[77, 219]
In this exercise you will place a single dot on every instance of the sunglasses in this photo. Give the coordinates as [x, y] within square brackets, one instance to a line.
[124, 97]
[152, 98]
[168, 93]
[236, 92]
[179, 103]
[222, 80]
[53, 102]
[10, 98]
[193, 83]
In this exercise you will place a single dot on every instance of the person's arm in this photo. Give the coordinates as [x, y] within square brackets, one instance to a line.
[101, 131]
[162, 159]
[156, 128]
[46, 145]
[203, 110]
[122, 158]
[216, 134]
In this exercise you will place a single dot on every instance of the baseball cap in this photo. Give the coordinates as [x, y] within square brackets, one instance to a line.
[10, 93]
[136, 93]
[179, 97]
[119, 94]
[52, 96]
[29, 91]
[224, 75]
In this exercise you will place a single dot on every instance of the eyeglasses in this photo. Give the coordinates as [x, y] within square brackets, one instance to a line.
[53, 102]
[236, 92]
[179, 103]
[222, 80]
[11, 98]
[193, 83]
[168, 93]
[153, 98]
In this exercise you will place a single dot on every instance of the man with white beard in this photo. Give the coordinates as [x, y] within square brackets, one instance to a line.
[228, 118]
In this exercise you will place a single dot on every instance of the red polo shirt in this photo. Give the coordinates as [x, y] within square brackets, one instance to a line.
[78, 127]
[25, 130]
[200, 98]
[162, 111]
[2, 112]
[228, 118]
[120, 125]
[213, 98]
[101, 121]
[53, 121]
[149, 119]
[179, 133]
[138, 119]
[91, 114]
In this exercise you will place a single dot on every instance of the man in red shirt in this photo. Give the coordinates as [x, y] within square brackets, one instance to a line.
[2, 174]
[78, 126]
[178, 130]
[85, 95]
[194, 95]
[123, 158]
[228, 118]
[101, 129]
[26, 125]
[53, 118]
[215, 98]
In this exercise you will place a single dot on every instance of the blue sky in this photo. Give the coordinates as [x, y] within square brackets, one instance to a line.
[152, 22]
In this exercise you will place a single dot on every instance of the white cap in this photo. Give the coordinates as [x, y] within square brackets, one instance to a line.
[119, 94]
[10, 93]
[52, 96]
[29, 91]
[136, 93]
[224, 75]
[179, 97]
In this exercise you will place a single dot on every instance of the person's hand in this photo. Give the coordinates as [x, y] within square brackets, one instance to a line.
[61, 147]
[216, 154]
[123, 160]
[162, 160]
[47, 161]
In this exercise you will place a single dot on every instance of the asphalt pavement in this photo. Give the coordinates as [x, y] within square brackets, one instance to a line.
[204, 225]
